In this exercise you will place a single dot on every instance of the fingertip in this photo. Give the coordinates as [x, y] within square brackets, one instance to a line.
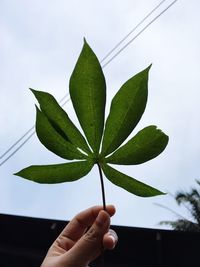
[110, 240]
[111, 209]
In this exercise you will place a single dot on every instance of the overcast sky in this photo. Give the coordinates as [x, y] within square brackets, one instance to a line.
[40, 43]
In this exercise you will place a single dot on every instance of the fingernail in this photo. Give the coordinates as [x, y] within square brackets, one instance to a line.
[101, 218]
[113, 240]
[113, 236]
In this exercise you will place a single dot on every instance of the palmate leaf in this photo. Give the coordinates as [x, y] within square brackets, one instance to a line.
[53, 141]
[126, 110]
[60, 119]
[128, 183]
[145, 145]
[88, 95]
[57, 173]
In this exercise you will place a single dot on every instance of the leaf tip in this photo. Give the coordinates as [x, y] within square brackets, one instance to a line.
[32, 90]
[149, 67]
[17, 173]
[160, 193]
[164, 134]
[84, 40]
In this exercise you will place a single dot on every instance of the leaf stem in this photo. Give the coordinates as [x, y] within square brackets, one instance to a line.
[102, 186]
[101, 258]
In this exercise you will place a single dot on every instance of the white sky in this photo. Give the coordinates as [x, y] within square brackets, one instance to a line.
[40, 43]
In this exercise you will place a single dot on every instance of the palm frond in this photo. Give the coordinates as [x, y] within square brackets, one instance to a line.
[191, 200]
[182, 225]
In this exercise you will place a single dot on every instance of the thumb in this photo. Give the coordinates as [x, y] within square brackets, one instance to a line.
[90, 245]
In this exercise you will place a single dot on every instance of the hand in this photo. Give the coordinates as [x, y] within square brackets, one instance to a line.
[77, 246]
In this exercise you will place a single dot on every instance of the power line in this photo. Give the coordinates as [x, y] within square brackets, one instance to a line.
[112, 50]
[127, 35]
[11, 147]
[26, 133]
[65, 102]
[140, 32]
[25, 141]
[103, 66]
[133, 30]
[18, 148]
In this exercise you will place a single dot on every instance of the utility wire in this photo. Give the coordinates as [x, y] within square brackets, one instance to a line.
[103, 66]
[134, 29]
[25, 141]
[127, 35]
[11, 147]
[140, 32]
[27, 132]
[18, 148]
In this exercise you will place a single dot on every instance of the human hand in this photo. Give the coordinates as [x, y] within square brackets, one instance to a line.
[77, 246]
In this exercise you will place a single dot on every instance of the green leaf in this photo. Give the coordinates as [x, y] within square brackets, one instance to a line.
[57, 173]
[88, 94]
[145, 145]
[52, 139]
[126, 110]
[59, 118]
[128, 183]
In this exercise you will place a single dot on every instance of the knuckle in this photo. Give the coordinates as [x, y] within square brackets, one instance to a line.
[91, 235]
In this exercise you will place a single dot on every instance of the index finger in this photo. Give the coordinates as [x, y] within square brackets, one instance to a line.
[79, 224]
